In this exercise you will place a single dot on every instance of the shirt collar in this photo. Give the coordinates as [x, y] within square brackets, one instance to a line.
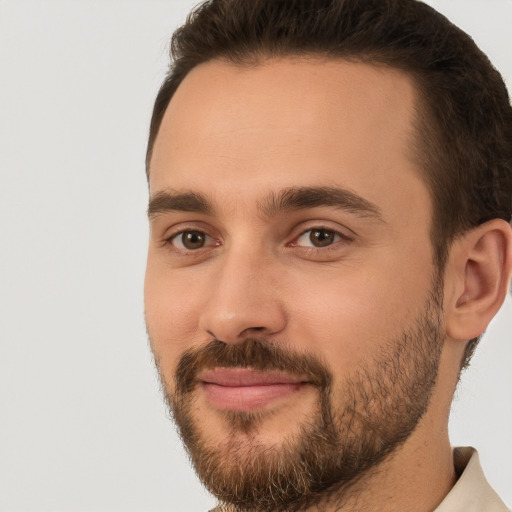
[472, 492]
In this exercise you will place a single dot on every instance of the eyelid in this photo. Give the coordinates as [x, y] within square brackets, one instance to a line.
[198, 227]
[172, 239]
[176, 228]
[344, 233]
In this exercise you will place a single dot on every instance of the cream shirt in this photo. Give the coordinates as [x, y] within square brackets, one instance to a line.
[471, 493]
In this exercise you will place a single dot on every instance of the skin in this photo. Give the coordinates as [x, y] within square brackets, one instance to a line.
[253, 132]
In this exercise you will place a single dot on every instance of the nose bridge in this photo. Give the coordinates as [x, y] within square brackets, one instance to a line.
[244, 296]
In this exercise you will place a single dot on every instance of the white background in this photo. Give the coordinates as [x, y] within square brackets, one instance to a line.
[82, 424]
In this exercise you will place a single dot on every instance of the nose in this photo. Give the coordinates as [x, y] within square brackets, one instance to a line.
[245, 300]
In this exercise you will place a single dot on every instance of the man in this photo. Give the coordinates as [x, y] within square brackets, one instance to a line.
[330, 205]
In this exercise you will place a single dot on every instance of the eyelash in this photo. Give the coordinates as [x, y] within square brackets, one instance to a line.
[168, 241]
[332, 246]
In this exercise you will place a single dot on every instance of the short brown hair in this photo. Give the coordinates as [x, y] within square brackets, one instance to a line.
[463, 119]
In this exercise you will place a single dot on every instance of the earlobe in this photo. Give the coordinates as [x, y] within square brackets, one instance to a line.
[480, 269]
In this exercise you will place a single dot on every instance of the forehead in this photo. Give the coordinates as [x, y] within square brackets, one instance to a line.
[288, 122]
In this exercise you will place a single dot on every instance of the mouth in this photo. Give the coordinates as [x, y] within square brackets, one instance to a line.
[246, 390]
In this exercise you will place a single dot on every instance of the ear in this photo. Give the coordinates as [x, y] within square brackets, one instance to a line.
[477, 277]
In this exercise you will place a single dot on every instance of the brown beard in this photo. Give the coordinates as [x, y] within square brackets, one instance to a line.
[354, 427]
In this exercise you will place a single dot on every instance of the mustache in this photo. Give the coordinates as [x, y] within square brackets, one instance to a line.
[257, 354]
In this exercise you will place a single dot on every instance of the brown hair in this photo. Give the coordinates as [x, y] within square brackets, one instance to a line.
[463, 117]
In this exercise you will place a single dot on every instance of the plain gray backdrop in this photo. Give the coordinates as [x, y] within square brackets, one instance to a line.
[82, 423]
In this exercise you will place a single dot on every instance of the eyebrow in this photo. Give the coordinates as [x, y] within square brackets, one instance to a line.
[288, 199]
[169, 201]
[300, 198]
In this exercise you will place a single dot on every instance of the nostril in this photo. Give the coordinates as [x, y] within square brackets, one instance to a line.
[250, 330]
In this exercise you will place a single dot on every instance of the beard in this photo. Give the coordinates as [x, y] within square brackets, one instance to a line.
[356, 424]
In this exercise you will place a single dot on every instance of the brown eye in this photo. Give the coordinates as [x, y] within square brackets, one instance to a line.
[190, 240]
[319, 237]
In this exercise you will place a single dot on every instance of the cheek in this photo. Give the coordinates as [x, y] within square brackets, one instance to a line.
[172, 311]
[347, 315]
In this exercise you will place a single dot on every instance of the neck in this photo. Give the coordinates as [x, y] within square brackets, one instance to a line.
[415, 478]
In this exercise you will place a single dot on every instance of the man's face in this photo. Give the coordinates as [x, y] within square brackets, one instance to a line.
[290, 291]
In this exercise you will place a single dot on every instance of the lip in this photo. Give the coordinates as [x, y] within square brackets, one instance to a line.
[244, 389]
